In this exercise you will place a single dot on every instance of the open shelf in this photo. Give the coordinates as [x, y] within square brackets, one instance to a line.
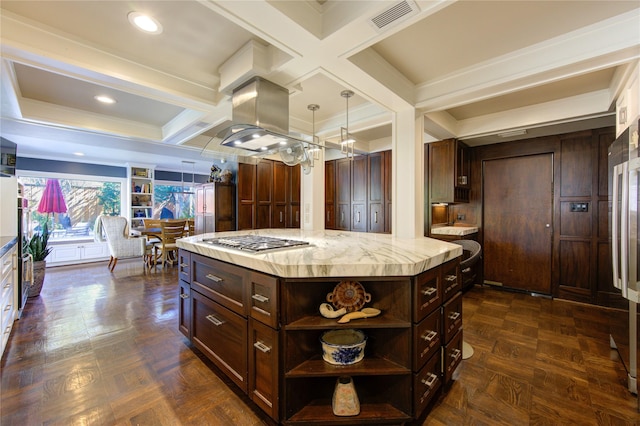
[372, 366]
[318, 322]
[319, 412]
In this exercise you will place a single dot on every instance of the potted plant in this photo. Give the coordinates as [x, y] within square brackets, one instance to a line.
[38, 248]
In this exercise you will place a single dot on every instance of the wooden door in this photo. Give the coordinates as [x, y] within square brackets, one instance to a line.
[518, 231]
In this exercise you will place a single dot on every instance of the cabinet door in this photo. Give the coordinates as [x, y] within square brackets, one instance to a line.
[225, 207]
[463, 166]
[387, 190]
[359, 193]
[184, 308]
[330, 194]
[264, 194]
[293, 197]
[263, 367]
[246, 196]
[222, 336]
[343, 194]
[441, 171]
[279, 219]
[375, 198]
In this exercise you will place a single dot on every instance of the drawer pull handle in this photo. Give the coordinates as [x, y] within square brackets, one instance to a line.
[375, 217]
[455, 354]
[7, 308]
[429, 291]
[7, 330]
[454, 315]
[214, 278]
[429, 336]
[466, 270]
[260, 298]
[184, 296]
[184, 265]
[429, 381]
[451, 278]
[262, 347]
[214, 320]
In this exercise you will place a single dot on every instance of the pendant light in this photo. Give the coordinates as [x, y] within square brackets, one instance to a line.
[192, 163]
[346, 140]
[315, 151]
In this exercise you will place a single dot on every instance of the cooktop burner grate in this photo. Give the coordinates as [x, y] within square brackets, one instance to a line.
[255, 243]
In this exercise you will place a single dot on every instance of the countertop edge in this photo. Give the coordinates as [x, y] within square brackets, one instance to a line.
[364, 254]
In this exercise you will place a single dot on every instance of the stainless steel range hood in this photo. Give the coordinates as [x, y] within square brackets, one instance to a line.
[260, 118]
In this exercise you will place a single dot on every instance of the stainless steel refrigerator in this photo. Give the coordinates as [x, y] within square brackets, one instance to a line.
[624, 183]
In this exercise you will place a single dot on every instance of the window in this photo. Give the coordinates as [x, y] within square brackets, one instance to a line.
[173, 201]
[85, 198]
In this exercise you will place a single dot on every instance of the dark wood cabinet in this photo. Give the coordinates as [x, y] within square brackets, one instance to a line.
[376, 189]
[268, 195]
[449, 169]
[246, 196]
[358, 193]
[343, 194]
[263, 332]
[330, 194]
[215, 207]
[264, 194]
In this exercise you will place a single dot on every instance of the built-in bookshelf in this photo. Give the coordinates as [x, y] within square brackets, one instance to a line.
[141, 194]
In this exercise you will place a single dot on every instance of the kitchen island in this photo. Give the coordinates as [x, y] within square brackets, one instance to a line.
[256, 316]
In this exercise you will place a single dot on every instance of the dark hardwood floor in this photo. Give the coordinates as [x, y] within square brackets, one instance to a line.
[103, 349]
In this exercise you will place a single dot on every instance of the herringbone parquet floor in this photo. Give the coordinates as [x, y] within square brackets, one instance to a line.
[103, 349]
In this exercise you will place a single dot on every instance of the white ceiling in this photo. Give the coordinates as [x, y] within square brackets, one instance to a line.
[473, 69]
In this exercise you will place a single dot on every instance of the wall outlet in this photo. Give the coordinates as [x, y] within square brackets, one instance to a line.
[460, 216]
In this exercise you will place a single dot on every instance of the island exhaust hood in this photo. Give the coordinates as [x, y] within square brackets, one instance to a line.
[260, 118]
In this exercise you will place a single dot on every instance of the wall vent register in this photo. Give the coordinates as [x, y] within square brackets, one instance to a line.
[255, 243]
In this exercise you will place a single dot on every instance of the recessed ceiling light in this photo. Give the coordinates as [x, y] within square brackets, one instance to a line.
[104, 99]
[79, 154]
[144, 23]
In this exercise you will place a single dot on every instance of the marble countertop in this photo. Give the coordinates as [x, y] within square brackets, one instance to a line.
[333, 253]
[6, 244]
[454, 230]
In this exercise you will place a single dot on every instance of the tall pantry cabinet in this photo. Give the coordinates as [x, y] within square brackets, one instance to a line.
[358, 193]
[215, 207]
[268, 195]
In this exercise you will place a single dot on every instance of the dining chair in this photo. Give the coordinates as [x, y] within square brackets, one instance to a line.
[191, 223]
[163, 250]
[120, 244]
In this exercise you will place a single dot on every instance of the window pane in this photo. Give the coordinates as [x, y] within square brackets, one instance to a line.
[173, 201]
[85, 201]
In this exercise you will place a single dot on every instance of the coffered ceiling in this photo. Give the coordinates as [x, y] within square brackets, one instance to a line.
[472, 69]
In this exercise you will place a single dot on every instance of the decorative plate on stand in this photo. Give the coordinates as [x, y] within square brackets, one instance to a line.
[349, 295]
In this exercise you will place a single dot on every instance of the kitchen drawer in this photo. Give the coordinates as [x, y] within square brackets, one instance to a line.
[452, 317]
[426, 383]
[263, 367]
[184, 265]
[451, 282]
[222, 336]
[221, 282]
[428, 293]
[451, 356]
[264, 298]
[426, 337]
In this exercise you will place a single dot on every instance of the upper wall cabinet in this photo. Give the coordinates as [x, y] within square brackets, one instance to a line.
[449, 168]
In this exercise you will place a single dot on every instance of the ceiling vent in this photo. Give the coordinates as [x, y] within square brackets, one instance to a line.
[396, 13]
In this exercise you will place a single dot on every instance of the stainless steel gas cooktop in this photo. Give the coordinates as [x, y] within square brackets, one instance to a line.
[255, 243]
